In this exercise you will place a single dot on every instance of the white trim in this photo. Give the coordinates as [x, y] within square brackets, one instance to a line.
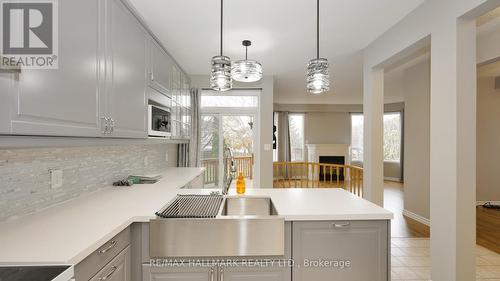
[392, 179]
[416, 217]
[479, 203]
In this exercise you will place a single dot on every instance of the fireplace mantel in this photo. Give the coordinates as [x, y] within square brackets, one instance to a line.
[314, 151]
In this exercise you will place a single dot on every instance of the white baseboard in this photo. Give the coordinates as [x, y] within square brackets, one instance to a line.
[392, 179]
[416, 217]
[479, 203]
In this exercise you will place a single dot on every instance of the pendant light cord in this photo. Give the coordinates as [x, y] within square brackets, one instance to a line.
[221, 23]
[317, 29]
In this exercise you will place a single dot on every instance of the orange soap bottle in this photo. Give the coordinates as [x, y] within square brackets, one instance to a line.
[240, 184]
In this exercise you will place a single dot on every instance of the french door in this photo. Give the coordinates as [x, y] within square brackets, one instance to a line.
[220, 131]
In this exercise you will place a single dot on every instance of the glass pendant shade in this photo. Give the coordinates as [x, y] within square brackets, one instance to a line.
[318, 76]
[246, 71]
[220, 77]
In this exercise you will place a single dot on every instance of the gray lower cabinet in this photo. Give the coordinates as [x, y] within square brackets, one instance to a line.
[179, 272]
[106, 258]
[63, 101]
[341, 250]
[244, 271]
[7, 82]
[125, 99]
[116, 270]
[275, 271]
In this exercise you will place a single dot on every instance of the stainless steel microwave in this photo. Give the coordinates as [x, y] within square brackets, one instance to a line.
[159, 121]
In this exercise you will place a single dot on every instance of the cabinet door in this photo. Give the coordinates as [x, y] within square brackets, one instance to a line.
[275, 271]
[7, 83]
[126, 79]
[160, 68]
[185, 273]
[64, 101]
[116, 270]
[320, 248]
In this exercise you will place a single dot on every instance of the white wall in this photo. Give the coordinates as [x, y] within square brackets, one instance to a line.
[450, 25]
[488, 134]
[265, 171]
[488, 41]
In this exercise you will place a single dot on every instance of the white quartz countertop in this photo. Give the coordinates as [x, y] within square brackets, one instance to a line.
[67, 233]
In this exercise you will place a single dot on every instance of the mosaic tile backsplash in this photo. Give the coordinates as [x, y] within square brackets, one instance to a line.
[25, 178]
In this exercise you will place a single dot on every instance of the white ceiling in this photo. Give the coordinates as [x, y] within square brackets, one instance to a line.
[282, 34]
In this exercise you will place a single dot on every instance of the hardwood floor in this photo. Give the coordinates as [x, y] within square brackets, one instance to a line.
[401, 226]
[488, 228]
[487, 220]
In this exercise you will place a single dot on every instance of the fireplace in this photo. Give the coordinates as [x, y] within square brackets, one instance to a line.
[340, 160]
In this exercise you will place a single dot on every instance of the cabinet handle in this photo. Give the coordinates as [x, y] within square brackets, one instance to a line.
[112, 127]
[152, 76]
[221, 271]
[341, 225]
[105, 126]
[113, 269]
[212, 273]
[112, 244]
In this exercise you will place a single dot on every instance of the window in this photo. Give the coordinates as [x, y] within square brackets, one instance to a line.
[392, 137]
[275, 136]
[296, 127]
[357, 137]
[214, 99]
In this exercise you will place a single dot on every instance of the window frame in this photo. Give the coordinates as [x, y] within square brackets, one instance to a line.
[303, 115]
[401, 128]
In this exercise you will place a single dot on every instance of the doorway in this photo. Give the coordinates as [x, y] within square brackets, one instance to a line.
[229, 123]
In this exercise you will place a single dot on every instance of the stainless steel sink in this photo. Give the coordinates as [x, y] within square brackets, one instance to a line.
[248, 206]
[244, 226]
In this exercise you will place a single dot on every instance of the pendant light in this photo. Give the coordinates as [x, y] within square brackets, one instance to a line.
[220, 76]
[246, 70]
[318, 77]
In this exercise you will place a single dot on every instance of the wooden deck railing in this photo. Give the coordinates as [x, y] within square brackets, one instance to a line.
[318, 175]
[243, 164]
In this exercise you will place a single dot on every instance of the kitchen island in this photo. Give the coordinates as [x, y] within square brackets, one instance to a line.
[72, 232]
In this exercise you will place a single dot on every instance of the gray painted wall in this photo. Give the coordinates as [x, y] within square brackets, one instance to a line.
[25, 179]
[488, 135]
[417, 139]
[327, 127]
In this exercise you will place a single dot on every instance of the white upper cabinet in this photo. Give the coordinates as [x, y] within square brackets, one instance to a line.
[63, 101]
[160, 69]
[125, 98]
[107, 60]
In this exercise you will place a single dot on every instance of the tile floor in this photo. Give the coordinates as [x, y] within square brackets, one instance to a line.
[411, 261]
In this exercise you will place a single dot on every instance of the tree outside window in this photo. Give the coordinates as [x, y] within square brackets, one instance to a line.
[296, 127]
[392, 137]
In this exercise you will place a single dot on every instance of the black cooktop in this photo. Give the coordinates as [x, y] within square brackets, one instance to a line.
[30, 273]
